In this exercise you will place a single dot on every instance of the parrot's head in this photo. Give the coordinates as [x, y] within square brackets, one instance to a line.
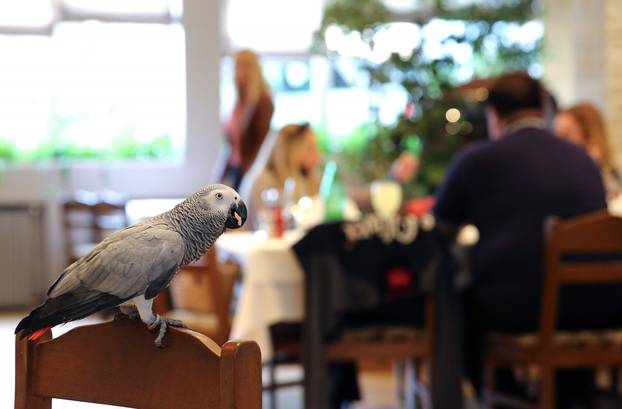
[225, 202]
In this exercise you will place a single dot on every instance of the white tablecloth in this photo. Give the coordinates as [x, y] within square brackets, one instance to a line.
[272, 286]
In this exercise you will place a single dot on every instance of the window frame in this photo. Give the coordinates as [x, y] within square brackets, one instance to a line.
[63, 14]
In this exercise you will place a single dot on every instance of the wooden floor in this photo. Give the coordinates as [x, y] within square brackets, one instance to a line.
[376, 377]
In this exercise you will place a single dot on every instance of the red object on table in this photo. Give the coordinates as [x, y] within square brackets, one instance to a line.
[420, 206]
[279, 223]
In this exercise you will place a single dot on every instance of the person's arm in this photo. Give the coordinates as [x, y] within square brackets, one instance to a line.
[452, 197]
[404, 168]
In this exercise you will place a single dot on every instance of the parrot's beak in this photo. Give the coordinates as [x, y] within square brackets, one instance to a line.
[237, 216]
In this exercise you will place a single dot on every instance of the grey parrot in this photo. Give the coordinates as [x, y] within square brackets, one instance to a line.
[131, 266]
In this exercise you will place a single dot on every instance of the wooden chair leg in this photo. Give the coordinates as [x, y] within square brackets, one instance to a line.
[547, 388]
[399, 372]
[272, 389]
[489, 385]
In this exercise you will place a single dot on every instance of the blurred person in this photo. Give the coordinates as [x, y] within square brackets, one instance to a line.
[295, 156]
[507, 187]
[405, 167]
[584, 126]
[249, 124]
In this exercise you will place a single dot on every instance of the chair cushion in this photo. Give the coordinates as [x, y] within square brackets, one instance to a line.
[382, 333]
[563, 338]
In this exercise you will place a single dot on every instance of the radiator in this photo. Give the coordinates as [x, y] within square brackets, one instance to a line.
[21, 254]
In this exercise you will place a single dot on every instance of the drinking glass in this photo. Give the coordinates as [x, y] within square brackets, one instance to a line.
[386, 197]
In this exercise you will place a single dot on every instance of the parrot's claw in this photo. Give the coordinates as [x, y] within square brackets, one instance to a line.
[163, 322]
[123, 313]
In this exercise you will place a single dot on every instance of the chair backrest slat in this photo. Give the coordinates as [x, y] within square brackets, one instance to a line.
[582, 250]
[595, 232]
[117, 364]
[601, 272]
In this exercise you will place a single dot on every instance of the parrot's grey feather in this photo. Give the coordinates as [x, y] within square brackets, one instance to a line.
[126, 262]
[160, 283]
[198, 231]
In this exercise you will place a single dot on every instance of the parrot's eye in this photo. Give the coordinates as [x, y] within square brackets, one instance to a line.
[219, 196]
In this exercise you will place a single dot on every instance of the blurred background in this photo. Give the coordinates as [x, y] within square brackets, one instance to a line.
[129, 99]
[131, 96]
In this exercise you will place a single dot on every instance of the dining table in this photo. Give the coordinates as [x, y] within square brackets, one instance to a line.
[273, 283]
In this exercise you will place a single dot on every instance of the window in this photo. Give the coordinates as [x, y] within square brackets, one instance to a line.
[271, 26]
[305, 87]
[112, 86]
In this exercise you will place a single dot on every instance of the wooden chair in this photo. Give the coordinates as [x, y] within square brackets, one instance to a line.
[355, 253]
[411, 348]
[77, 228]
[200, 296]
[87, 220]
[108, 217]
[287, 349]
[549, 349]
[117, 364]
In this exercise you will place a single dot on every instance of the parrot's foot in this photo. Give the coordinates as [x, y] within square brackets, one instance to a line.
[163, 322]
[126, 312]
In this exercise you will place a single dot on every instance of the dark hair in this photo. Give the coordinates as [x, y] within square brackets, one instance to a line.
[514, 92]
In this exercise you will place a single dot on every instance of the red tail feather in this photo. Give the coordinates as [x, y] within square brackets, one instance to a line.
[37, 334]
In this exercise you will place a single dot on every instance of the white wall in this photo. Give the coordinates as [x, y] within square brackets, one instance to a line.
[574, 54]
[582, 57]
[44, 183]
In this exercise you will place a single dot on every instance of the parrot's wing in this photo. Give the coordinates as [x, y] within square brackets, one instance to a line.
[140, 259]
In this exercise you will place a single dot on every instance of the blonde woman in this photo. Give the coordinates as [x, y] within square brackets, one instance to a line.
[250, 120]
[583, 125]
[295, 155]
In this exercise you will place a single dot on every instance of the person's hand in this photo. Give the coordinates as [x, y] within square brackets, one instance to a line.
[405, 167]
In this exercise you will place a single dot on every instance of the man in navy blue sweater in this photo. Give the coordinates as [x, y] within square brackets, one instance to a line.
[507, 187]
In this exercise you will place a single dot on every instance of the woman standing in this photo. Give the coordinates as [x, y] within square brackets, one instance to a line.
[250, 121]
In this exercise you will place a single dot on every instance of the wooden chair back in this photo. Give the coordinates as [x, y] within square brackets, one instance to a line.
[108, 217]
[77, 225]
[596, 236]
[205, 274]
[117, 364]
[319, 255]
[89, 220]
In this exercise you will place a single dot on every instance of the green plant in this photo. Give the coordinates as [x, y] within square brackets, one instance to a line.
[58, 146]
[8, 150]
[430, 83]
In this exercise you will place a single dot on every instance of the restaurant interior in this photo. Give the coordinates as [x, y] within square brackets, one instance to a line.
[366, 204]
